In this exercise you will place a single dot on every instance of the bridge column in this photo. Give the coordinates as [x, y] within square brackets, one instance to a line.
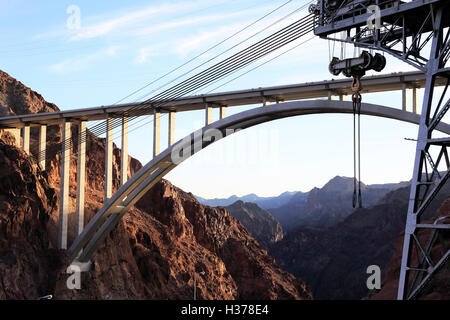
[208, 114]
[342, 97]
[415, 92]
[406, 102]
[81, 177]
[108, 157]
[156, 133]
[42, 145]
[266, 102]
[64, 185]
[124, 160]
[26, 138]
[223, 112]
[171, 128]
[331, 95]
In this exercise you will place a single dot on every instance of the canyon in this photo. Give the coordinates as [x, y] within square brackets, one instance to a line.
[155, 252]
[299, 245]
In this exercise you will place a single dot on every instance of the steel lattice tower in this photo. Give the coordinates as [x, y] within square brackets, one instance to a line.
[416, 32]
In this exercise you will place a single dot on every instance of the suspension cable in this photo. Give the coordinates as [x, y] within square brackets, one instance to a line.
[356, 98]
[243, 58]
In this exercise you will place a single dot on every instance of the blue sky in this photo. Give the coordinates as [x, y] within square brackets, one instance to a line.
[121, 46]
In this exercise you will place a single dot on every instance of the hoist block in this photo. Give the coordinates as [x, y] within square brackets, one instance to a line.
[357, 66]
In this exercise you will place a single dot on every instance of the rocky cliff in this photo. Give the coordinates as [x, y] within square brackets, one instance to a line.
[27, 257]
[154, 253]
[333, 261]
[260, 223]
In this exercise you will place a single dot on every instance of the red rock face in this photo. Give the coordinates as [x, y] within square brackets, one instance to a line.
[15, 98]
[26, 201]
[154, 253]
[439, 287]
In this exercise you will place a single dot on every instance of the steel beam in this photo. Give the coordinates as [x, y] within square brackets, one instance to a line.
[81, 178]
[64, 185]
[420, 198]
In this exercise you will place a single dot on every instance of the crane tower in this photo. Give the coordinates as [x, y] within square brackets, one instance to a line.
[416, 32]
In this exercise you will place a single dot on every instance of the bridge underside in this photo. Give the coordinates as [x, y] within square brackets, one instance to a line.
[118, 205]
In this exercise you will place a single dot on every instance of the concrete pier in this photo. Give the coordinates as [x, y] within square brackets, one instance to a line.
[26, 138]
[415, 99]
[156, 133]
[208, 114]
[42, 146]
[406, 97]
[124, 160]
[81, 177]
[64, 192]
[108, 158]
[171, 128]
[331, 95]
[222, 112]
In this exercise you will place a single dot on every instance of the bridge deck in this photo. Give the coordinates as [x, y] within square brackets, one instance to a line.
[309, 90]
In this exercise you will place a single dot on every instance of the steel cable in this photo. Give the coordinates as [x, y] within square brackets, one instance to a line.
[231, 64]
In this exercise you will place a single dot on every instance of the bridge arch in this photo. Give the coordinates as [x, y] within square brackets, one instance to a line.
[143, 180]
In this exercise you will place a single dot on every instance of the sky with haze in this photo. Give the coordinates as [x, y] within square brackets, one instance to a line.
[119, 47]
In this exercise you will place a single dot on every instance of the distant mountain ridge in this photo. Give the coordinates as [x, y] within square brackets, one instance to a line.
[328, 205]
[324, 206]
[333, 260]
[262, 202]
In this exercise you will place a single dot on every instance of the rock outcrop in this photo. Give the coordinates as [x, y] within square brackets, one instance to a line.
[260, 223]
[17, 99]
[28, 261]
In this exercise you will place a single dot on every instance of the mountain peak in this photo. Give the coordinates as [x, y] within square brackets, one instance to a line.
[17, 99]
[339, 184]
